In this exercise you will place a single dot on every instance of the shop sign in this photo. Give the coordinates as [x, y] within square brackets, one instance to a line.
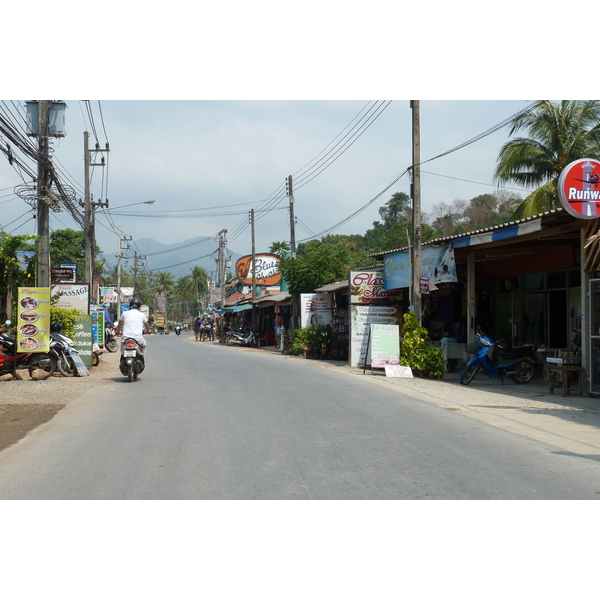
[33, 320]
[83, 338]
[315, 309]
[73, 295]
[579, 188]
[367, 287]
[266, 267]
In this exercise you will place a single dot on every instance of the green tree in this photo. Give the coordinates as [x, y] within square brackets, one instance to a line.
[67, 246]
[559, 133]
[317, 264]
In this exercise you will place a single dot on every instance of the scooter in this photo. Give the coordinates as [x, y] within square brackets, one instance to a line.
[238, 338]
[518, 363]
[132, 359]
[10, 359]
[68, 361]
[177, 330]
[110, 342]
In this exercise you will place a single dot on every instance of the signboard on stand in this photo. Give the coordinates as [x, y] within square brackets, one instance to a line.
[33, 320]
[83, 339]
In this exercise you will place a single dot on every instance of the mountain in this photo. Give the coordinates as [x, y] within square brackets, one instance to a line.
[178, 259]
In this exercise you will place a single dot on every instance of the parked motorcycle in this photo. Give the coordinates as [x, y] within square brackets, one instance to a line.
[518, 363]
[67, 357]
[11, 359]
[132, 359]
[110, 341]
[239, 338]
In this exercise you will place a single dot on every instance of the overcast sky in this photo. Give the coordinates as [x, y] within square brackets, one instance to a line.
[206, 164]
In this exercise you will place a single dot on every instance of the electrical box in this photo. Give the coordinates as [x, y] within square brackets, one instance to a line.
[56, 118]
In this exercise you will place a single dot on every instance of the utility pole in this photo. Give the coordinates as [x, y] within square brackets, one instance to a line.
[89, 232]
[123, 245]
[416, 220]
[222, 275]
[290, 190]
[253, 273]
[43, 208]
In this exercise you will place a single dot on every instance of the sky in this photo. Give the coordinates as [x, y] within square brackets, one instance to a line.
[207, 163]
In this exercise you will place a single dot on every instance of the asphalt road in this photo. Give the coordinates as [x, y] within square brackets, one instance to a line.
[212, 422]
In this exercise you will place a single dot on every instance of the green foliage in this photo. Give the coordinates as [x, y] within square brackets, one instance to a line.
[302, 337]
[423, 358]
[317, 264]
[66, 317]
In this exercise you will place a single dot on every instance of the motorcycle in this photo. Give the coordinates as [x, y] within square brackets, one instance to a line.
[132, 359]
[239, 338]
[67, 357]
[518, 363]
[10, 359]
[110, 341]
[177, 330]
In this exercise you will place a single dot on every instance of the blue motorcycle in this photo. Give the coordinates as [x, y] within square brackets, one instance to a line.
[518, 363]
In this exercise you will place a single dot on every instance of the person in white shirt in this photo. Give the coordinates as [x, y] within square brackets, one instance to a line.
[134, 323]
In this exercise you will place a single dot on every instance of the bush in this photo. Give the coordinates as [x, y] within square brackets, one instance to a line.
[303, 336]
[424, 359]
[66, 317]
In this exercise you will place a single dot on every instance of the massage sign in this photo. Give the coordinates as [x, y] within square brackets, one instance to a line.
[579, 188]
[33, 320]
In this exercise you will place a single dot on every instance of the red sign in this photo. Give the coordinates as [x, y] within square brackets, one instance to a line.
[579, 188]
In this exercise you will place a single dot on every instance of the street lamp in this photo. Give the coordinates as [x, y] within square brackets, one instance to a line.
[132, 204]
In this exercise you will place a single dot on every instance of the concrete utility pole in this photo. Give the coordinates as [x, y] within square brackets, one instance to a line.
[43, 208]
[292, 218]
[416, 221]
[123, 245]
[89, 232]
[253, 273]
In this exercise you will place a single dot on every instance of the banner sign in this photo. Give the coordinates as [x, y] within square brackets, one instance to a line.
[437, 266]
[315, 309]
[385, 345]
[361, 318]
[579, 188]
[83, 339]
[33, 321]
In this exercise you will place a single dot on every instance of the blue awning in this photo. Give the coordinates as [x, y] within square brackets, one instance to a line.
[237, 308]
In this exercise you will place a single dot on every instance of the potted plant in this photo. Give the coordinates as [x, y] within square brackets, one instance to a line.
[424, 359]
[302, 340]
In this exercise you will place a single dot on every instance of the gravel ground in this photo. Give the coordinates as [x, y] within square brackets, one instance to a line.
[26, 404]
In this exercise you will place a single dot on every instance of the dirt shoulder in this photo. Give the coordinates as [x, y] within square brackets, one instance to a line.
[24, 405]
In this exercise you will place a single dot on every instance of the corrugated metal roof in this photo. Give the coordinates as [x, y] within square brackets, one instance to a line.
[334, 287]
[279, 297]
[444, 240]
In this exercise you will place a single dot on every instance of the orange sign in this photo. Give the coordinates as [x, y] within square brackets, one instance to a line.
[266, 268]
[579, 188]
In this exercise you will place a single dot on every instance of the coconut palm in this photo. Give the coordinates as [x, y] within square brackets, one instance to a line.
[559, 133]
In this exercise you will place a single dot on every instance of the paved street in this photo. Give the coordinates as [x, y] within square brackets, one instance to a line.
[211, 422]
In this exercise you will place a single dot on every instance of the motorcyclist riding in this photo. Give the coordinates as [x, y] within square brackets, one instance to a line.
[134, 323]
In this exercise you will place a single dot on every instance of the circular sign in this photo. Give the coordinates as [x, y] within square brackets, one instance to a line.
[579, 188]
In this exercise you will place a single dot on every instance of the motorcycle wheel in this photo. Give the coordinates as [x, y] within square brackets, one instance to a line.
[524, 372]
[95, 359]
[66, 366]
[228, 341]
[111, 346]
[130, 372]
[44, 361]
[469, 374]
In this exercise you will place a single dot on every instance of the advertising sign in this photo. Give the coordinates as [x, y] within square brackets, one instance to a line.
[437, 266]
[579, 188]
[73, 268]
[361, 317]
[385, 345]
[108, 295]
[267, 269]
[33, 320]
[73, 295]
[98, 326]
[83, 338]
[315, 309]
[367, 287]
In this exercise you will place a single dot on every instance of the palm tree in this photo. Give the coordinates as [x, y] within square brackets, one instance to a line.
[559, 133]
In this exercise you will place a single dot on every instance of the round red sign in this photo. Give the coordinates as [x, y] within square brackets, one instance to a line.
[579, 188]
